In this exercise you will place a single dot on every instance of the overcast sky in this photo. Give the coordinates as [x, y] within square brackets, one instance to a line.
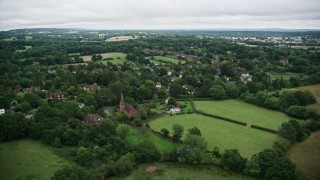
[160, 14]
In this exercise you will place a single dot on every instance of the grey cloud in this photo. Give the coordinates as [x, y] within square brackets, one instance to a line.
[154, 14]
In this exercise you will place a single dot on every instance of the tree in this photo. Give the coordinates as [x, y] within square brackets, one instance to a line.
[281, 169]
[123, 131]
[83, 157]
[298, 112]
[231, 159]
[172, 101]
[288, 132]
[12, 126]
[217, 92]
[165, 132]
[73, 173]
[175, 89]
[146, 151]
[177, 131]
[194, 131]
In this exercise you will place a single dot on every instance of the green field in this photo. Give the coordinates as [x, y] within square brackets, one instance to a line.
[26, 48]
[28, 159]
[220, 133]
[244, 112]
[135, 136]
[168, 59]
[10, 39]
[306, 155]
[285, 76]
[183, 172]
[118, 58]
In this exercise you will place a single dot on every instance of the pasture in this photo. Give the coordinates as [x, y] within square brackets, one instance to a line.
[135, 136]
[9, 39]
[306, 155]
[220, 133]
[120, 38]
[182, 171]
[167, 59]
[244, 112]
[285, 76]
[23, 50]
[315, 90]
[117, 58]
[28, 159]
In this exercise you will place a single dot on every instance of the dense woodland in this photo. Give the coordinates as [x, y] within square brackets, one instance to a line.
[209, 67]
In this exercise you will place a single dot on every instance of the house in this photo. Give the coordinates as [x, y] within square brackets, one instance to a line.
[92, 119]
[127, 108]
[29, 116]
[246, 77]
[56, 95]
[2, 111]
[169, 73]
[284, 61]
[96, 70]
[174, 110]
[158, 85]
[91, 87]
[81, 105]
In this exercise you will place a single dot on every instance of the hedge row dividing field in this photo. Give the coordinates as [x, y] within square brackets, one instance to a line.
[244, 112]
[220, 133]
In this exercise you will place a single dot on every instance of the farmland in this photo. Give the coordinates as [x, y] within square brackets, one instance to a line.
[243, 112]
[315, 90]
[135, 136]
[117, 58]
[120, 38]
[220, 133]
[176, 171]
[306, 155]
[168, 59]
[285, 76]
[26, 48]
[28, 159]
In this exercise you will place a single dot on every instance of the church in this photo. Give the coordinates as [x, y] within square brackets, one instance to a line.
[127, 108]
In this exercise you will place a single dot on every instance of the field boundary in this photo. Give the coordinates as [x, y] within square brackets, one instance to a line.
[236, 122]
[221, 118]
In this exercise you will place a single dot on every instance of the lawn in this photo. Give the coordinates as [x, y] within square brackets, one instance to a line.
[28, 159]
[285, 76]
[306, 155]
[168, 59]
[244, 112]
[220, 133]
[135, 136]
[10, 39]
[183, 172]
[23, 50]
[315, 90]
[118, 58]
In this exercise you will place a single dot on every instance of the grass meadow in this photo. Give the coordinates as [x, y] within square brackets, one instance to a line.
[135, 136]
[244, 112]
[26, 48]
[28, 159]
[306, 155]
[168, 59]
[183, 172]
[220, 133]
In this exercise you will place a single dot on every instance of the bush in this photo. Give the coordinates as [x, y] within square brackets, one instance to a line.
[300, 112]
[231, 159]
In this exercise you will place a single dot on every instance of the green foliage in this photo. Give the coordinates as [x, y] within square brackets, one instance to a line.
[177, 130]
[12, 126]
[231, 159]
[288, 132]
[300, 112]
[217, 92]
[73, 173]
[194, 131]
[146, 151]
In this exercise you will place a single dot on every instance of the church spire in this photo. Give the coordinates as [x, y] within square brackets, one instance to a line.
[121, 100]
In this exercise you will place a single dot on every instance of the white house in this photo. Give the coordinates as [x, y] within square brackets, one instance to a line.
[169, 73]
[2, 111]
[175, 110]
[158, 85]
